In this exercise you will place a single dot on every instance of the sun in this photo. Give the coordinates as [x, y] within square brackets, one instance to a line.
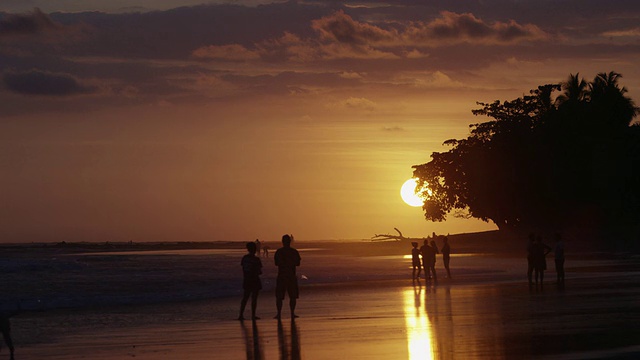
[408, 193]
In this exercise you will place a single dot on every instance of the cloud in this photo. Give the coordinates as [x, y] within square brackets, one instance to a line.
[36, 82]
[27, 24]
[354, 103]
[452, 28]
[232, 52]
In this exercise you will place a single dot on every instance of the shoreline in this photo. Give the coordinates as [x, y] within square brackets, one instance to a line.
[373, 320]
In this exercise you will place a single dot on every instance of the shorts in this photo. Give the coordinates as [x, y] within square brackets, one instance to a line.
[252, 284]
[287, 285]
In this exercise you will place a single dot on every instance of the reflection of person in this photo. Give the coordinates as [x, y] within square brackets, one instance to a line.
[559, 258]
[539, 251]
[253, 342]
[291, 350]
[286, 259]
[251, 270]
[446, 255]
[415, 260]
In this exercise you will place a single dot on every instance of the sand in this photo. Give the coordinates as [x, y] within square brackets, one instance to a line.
[476, 315]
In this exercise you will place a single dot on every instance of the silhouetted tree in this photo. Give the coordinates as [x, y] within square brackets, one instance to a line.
[541, 163]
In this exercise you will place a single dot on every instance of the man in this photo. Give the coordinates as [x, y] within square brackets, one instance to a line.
[286, 259]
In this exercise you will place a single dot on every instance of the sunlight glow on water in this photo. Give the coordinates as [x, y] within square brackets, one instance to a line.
[419, 336]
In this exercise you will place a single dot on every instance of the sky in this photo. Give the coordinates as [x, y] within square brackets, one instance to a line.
[173, 120]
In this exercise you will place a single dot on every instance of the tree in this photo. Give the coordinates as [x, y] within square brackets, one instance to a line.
[542, 164]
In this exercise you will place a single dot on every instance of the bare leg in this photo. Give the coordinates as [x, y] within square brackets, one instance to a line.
[292, 306]
[243, 304]
[254, 305]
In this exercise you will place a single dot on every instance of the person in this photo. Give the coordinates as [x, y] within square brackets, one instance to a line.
[415, 260]
[287, 259]
[258, 247]
[559, 258]
[429, 260]
[265, 250]
[532, 239]
[251, 270]
[5, 328]
[539, 251]
[446, 255]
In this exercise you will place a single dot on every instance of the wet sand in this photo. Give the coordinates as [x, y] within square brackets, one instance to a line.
[595, 316]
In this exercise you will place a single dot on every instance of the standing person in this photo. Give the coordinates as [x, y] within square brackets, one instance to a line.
[446, 255]
[429, 260]
[286, 259]
[251, 270]
[432, 261]
[258, 246]
[5, 327]
[415, 260]
[532, 239]
[539, 251]
[559, 258]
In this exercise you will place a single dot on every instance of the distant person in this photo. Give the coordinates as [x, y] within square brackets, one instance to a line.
[429, 260]
[532, 240]
[258, 247]
[251, 270]
[286, 259]
[265, 250]
[446, 255]
[415, 260]
[5, 327]
[559, 258]
[539, 252]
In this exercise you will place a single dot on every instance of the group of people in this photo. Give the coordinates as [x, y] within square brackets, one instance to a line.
[537, 261]
[287, 259]
[425, 258]
[262, 249]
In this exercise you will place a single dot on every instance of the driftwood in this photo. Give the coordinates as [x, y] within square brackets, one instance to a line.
[391, 237]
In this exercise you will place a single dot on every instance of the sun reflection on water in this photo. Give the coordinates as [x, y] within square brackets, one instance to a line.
[419, 329]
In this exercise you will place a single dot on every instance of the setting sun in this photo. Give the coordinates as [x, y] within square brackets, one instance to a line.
[408, 193]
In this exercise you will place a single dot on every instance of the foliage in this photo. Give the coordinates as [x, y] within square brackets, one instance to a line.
[540, 163]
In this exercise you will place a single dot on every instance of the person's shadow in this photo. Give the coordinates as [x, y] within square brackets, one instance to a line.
[252, 341]
[289, 351]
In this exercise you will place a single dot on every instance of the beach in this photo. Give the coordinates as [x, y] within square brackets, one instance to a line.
[353, 305]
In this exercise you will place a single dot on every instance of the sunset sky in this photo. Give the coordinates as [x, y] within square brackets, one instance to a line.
[168, 120]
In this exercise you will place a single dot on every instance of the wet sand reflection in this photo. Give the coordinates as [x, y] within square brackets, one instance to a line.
[419, 328]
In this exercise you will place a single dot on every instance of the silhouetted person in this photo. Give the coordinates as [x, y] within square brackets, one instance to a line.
[265, 250]
[5, 327]
[286, 259]
[532, 240]
[539, 251]
[251, 270]
[559, 258]
[415, 260]
[429, 259]
[446, 255]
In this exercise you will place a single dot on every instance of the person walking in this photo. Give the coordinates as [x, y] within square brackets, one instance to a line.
[287, 259]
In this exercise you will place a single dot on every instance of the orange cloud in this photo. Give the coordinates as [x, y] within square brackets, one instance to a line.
[232, 52]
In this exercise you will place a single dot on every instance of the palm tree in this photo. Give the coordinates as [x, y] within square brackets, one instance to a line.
[575, 90]
[609, 100]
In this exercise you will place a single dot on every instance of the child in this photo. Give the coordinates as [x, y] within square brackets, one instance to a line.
[251, 270]
[415, 260]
